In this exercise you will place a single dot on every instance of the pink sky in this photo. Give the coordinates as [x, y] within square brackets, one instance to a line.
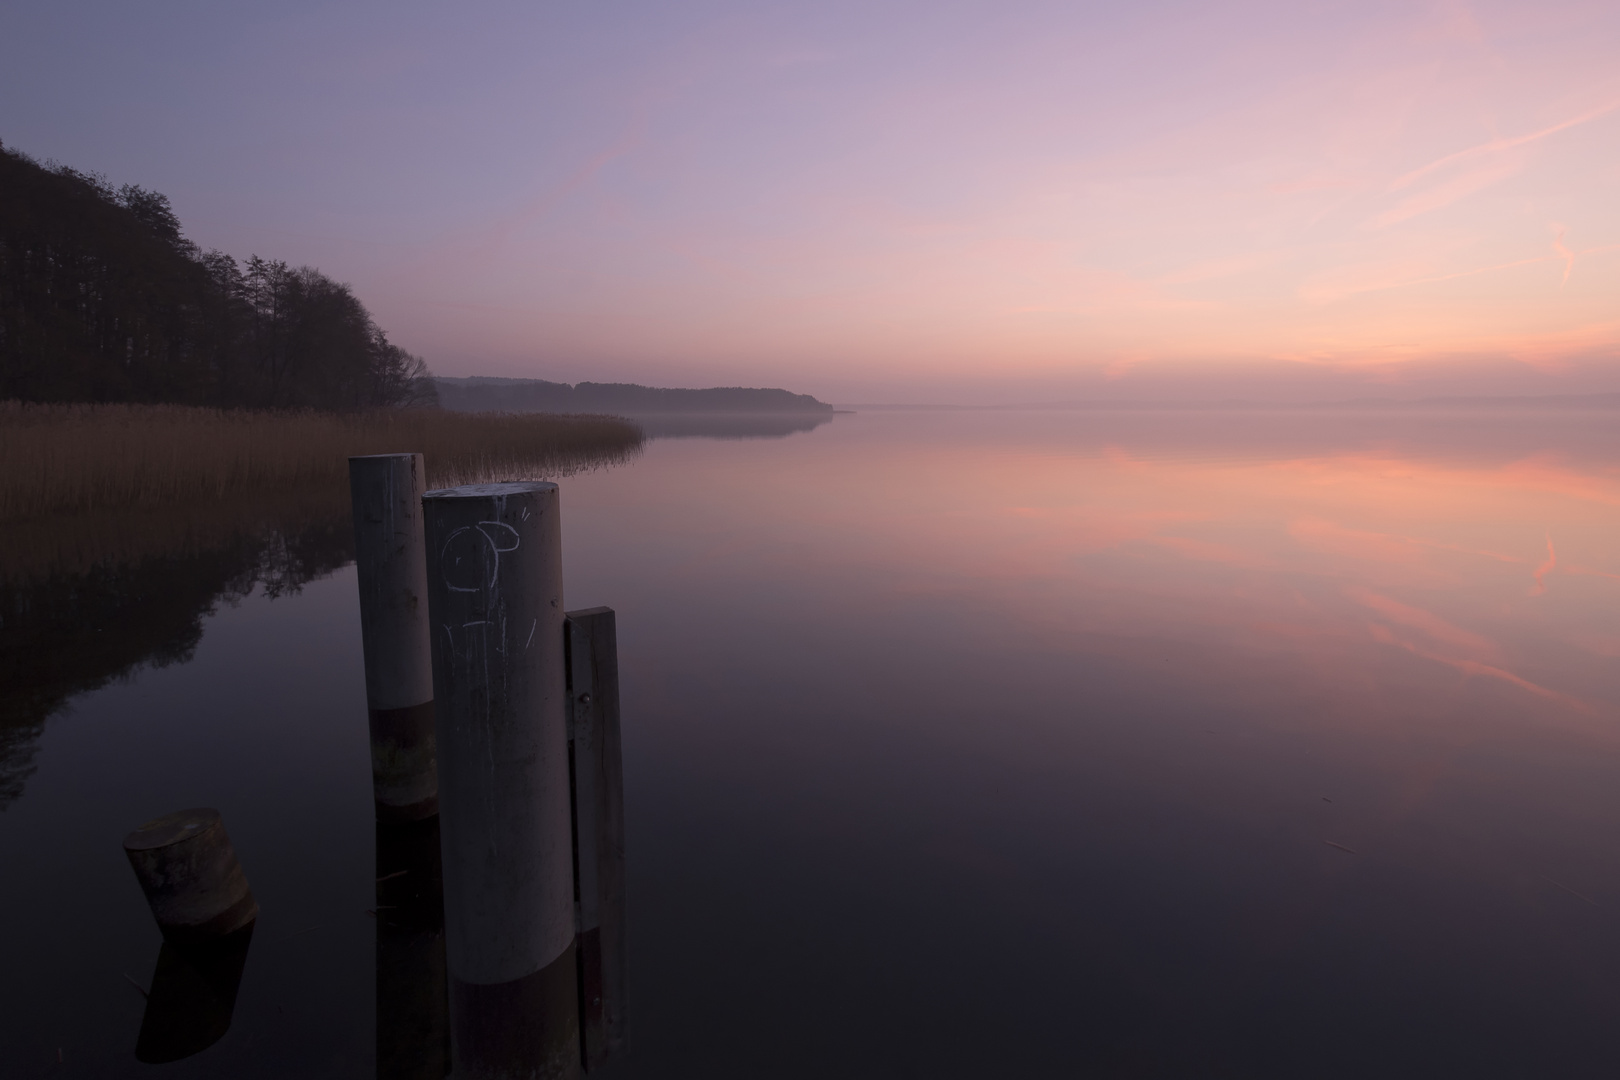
[894, 201]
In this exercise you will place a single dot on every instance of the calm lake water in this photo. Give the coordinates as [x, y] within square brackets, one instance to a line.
[956, 744]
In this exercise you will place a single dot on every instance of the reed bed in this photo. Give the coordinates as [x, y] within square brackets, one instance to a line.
[93, 459]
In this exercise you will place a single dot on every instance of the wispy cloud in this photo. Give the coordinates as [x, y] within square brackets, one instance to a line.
[1563, 253]
[1331, 538]
[1474, 667]
[581, 177]
[1496, 146]
[1443, 195]
[1352, 280]
[1378, 546]
[1587, 571]
[1419, 619]
[1482, 166]
[1545, 568]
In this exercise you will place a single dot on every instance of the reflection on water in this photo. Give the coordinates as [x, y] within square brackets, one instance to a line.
[192, 998]
[1183, 745]
[413, 1017]
[67, 629]
[86, 600]
[955, 744]
[1479, 548]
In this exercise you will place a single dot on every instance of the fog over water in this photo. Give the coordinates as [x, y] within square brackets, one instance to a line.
[1023, 743]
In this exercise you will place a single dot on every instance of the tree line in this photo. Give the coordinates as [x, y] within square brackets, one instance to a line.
[482, 394]
[102, 298]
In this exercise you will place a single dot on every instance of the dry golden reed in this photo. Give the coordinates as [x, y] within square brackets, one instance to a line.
[87, 459]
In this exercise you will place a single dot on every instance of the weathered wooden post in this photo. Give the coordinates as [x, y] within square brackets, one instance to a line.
[413, 1020]
[188, 870]
[392, 570]
[595, 763]
[495, 596]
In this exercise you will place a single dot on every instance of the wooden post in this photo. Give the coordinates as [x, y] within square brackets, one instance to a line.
[413, 1018]
[188, 870]
[598, 780]
[495, 597]
[392, 570]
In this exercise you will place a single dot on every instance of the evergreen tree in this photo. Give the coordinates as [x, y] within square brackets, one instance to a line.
[102, 298]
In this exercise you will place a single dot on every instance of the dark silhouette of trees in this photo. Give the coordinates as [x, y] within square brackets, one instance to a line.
[102, 298]
[482, 394]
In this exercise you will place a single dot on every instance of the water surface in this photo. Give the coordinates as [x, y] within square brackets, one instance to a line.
[956, 744]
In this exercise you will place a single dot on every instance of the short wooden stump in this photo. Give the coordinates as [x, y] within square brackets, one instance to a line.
[188, 870]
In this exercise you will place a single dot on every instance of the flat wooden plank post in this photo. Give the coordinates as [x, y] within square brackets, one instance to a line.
[597, 774]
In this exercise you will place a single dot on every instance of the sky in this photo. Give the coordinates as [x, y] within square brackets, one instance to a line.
[891, 200]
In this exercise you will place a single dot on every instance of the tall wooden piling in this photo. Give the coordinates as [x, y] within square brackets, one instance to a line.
[495, 597]
[598, 779]
[392, 569]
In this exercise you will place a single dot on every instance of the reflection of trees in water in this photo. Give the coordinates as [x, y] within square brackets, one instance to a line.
[67, 628]
[89, 598]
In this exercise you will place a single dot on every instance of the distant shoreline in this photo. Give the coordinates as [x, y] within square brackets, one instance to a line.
[487, 394]
[1551, 403]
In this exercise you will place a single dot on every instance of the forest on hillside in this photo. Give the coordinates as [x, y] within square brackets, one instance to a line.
[103, 299]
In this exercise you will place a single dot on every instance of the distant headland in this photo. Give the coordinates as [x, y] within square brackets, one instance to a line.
[480, 394]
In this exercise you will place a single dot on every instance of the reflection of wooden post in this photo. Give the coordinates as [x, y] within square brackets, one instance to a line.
[595, 765]
[192, 998]
[389, 562]
[413, 1022]
[188, 870]
[495, 595]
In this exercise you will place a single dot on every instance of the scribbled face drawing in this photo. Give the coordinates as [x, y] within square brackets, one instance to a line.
[470, 559]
